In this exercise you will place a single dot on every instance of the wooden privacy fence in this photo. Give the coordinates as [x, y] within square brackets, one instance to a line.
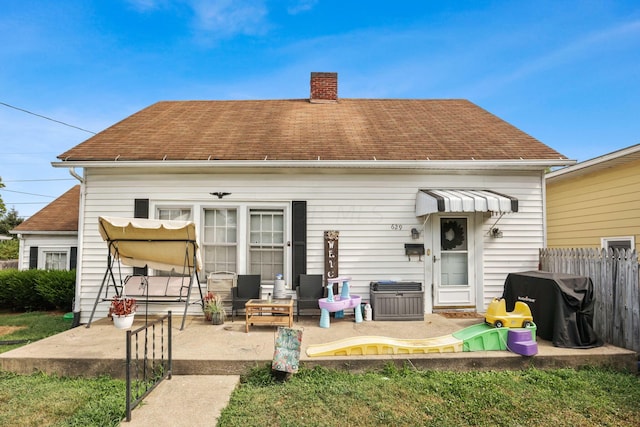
[614, 274]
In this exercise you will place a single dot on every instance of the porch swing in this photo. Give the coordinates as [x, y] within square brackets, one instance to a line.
[158, 244]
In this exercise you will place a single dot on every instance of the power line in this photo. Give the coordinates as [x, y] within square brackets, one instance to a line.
[26, 203]
[22, 192]
[40, 180]
[45, 117]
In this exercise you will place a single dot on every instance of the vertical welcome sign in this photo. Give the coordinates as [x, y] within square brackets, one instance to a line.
[331, 254]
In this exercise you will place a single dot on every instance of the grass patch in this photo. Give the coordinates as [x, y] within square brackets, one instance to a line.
[45, 400]
[406, 397]
[324, 397]
[31, 326]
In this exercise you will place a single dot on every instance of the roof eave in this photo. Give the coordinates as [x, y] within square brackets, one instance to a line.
[520, 164]
[607, 160]
[47, 232]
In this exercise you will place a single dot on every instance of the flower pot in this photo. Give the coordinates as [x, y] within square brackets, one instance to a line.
[123, 322]
[217, 318]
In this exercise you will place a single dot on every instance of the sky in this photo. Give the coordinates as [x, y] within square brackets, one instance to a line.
[565, 72]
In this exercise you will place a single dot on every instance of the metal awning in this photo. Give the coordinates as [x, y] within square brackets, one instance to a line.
[432, 201]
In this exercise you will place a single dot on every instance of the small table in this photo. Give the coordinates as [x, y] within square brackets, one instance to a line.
[277, 312]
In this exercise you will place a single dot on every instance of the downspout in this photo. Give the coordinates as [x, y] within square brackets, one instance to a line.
[544, 215]
[74, 174]
[79, 257]
[544, 209]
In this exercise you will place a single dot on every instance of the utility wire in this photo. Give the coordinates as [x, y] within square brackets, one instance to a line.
[45, 117]
[40, 180]
[22, 192]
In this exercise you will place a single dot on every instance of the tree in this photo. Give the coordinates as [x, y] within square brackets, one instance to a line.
[3, 208]
[9, 221]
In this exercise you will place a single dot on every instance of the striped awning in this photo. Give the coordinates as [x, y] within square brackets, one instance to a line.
[432, 201]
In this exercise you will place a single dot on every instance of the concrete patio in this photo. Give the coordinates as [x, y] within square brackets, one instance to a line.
[205, 349]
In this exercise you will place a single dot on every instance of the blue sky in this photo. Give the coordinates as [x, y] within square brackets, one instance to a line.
[565, 72]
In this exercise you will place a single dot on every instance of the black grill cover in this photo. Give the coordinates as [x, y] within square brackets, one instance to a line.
[561, 305]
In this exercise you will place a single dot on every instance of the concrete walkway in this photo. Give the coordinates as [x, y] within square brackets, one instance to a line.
[185, 400]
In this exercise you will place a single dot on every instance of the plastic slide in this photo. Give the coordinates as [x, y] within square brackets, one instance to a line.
[371, 345]
[480, 337]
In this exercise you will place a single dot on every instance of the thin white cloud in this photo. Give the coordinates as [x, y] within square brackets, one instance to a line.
[588, 45]
[146, 5]
[585, 47]
[300, 6]
[225, 18]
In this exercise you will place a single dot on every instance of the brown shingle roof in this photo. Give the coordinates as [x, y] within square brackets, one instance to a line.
[59, 215]
[351, 129]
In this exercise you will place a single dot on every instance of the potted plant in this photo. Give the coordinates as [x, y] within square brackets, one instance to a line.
[122, 311]
[214, 308]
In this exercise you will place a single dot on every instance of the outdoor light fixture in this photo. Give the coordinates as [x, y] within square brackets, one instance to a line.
[415, 234]
[220, 194]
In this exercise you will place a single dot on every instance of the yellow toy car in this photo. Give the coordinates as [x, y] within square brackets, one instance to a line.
[498, 316]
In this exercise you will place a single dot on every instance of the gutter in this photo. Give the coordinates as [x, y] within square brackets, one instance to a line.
[324, 164]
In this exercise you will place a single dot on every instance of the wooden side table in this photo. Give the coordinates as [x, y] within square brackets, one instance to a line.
[277, 312]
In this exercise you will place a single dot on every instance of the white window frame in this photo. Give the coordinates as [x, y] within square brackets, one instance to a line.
[42, 256]
[236, 244]
[285, 239]
[243, 209]
[605, 241]
[166, 207]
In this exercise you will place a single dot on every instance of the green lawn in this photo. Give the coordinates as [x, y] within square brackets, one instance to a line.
[406, 397]
[322, 397]
[33, 326]
[44, 400]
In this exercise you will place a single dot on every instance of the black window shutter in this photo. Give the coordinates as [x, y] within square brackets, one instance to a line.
[33, 257]
[299, 237]
[73, 258]
[141, 210]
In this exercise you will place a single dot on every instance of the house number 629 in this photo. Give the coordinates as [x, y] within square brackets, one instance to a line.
[396, 227]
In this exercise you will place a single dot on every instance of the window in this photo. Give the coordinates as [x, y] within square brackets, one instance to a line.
[220, 240]
[626, 242]
[266, 243]
[55, 260]
[177, 214]
[181, 214]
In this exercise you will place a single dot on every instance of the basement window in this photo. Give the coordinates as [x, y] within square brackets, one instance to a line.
[625, 242]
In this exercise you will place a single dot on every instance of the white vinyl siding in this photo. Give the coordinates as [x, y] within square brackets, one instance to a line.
[52, 243]
[373, 211]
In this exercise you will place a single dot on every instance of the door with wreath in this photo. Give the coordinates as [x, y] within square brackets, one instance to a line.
[453, 260]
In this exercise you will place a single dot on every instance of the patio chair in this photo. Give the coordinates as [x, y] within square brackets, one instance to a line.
[309, 291]
[247, 287]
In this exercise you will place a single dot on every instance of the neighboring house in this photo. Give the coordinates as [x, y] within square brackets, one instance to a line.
[266, 182]
[49, 238]
[596, 203]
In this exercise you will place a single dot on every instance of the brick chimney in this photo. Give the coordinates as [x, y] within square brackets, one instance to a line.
[324, 87]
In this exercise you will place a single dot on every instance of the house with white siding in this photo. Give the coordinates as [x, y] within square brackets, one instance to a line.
[49, 238]
[440, 192]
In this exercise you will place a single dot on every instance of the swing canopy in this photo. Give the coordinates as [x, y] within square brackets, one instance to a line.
[157, 244]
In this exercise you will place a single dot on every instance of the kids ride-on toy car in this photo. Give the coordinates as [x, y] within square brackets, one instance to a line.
[498, 316]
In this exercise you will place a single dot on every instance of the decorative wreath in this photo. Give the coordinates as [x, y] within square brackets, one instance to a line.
[458, 235]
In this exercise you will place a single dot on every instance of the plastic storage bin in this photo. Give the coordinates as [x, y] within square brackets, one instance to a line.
[391, 300]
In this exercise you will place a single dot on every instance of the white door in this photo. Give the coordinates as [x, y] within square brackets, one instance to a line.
[453, 269]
